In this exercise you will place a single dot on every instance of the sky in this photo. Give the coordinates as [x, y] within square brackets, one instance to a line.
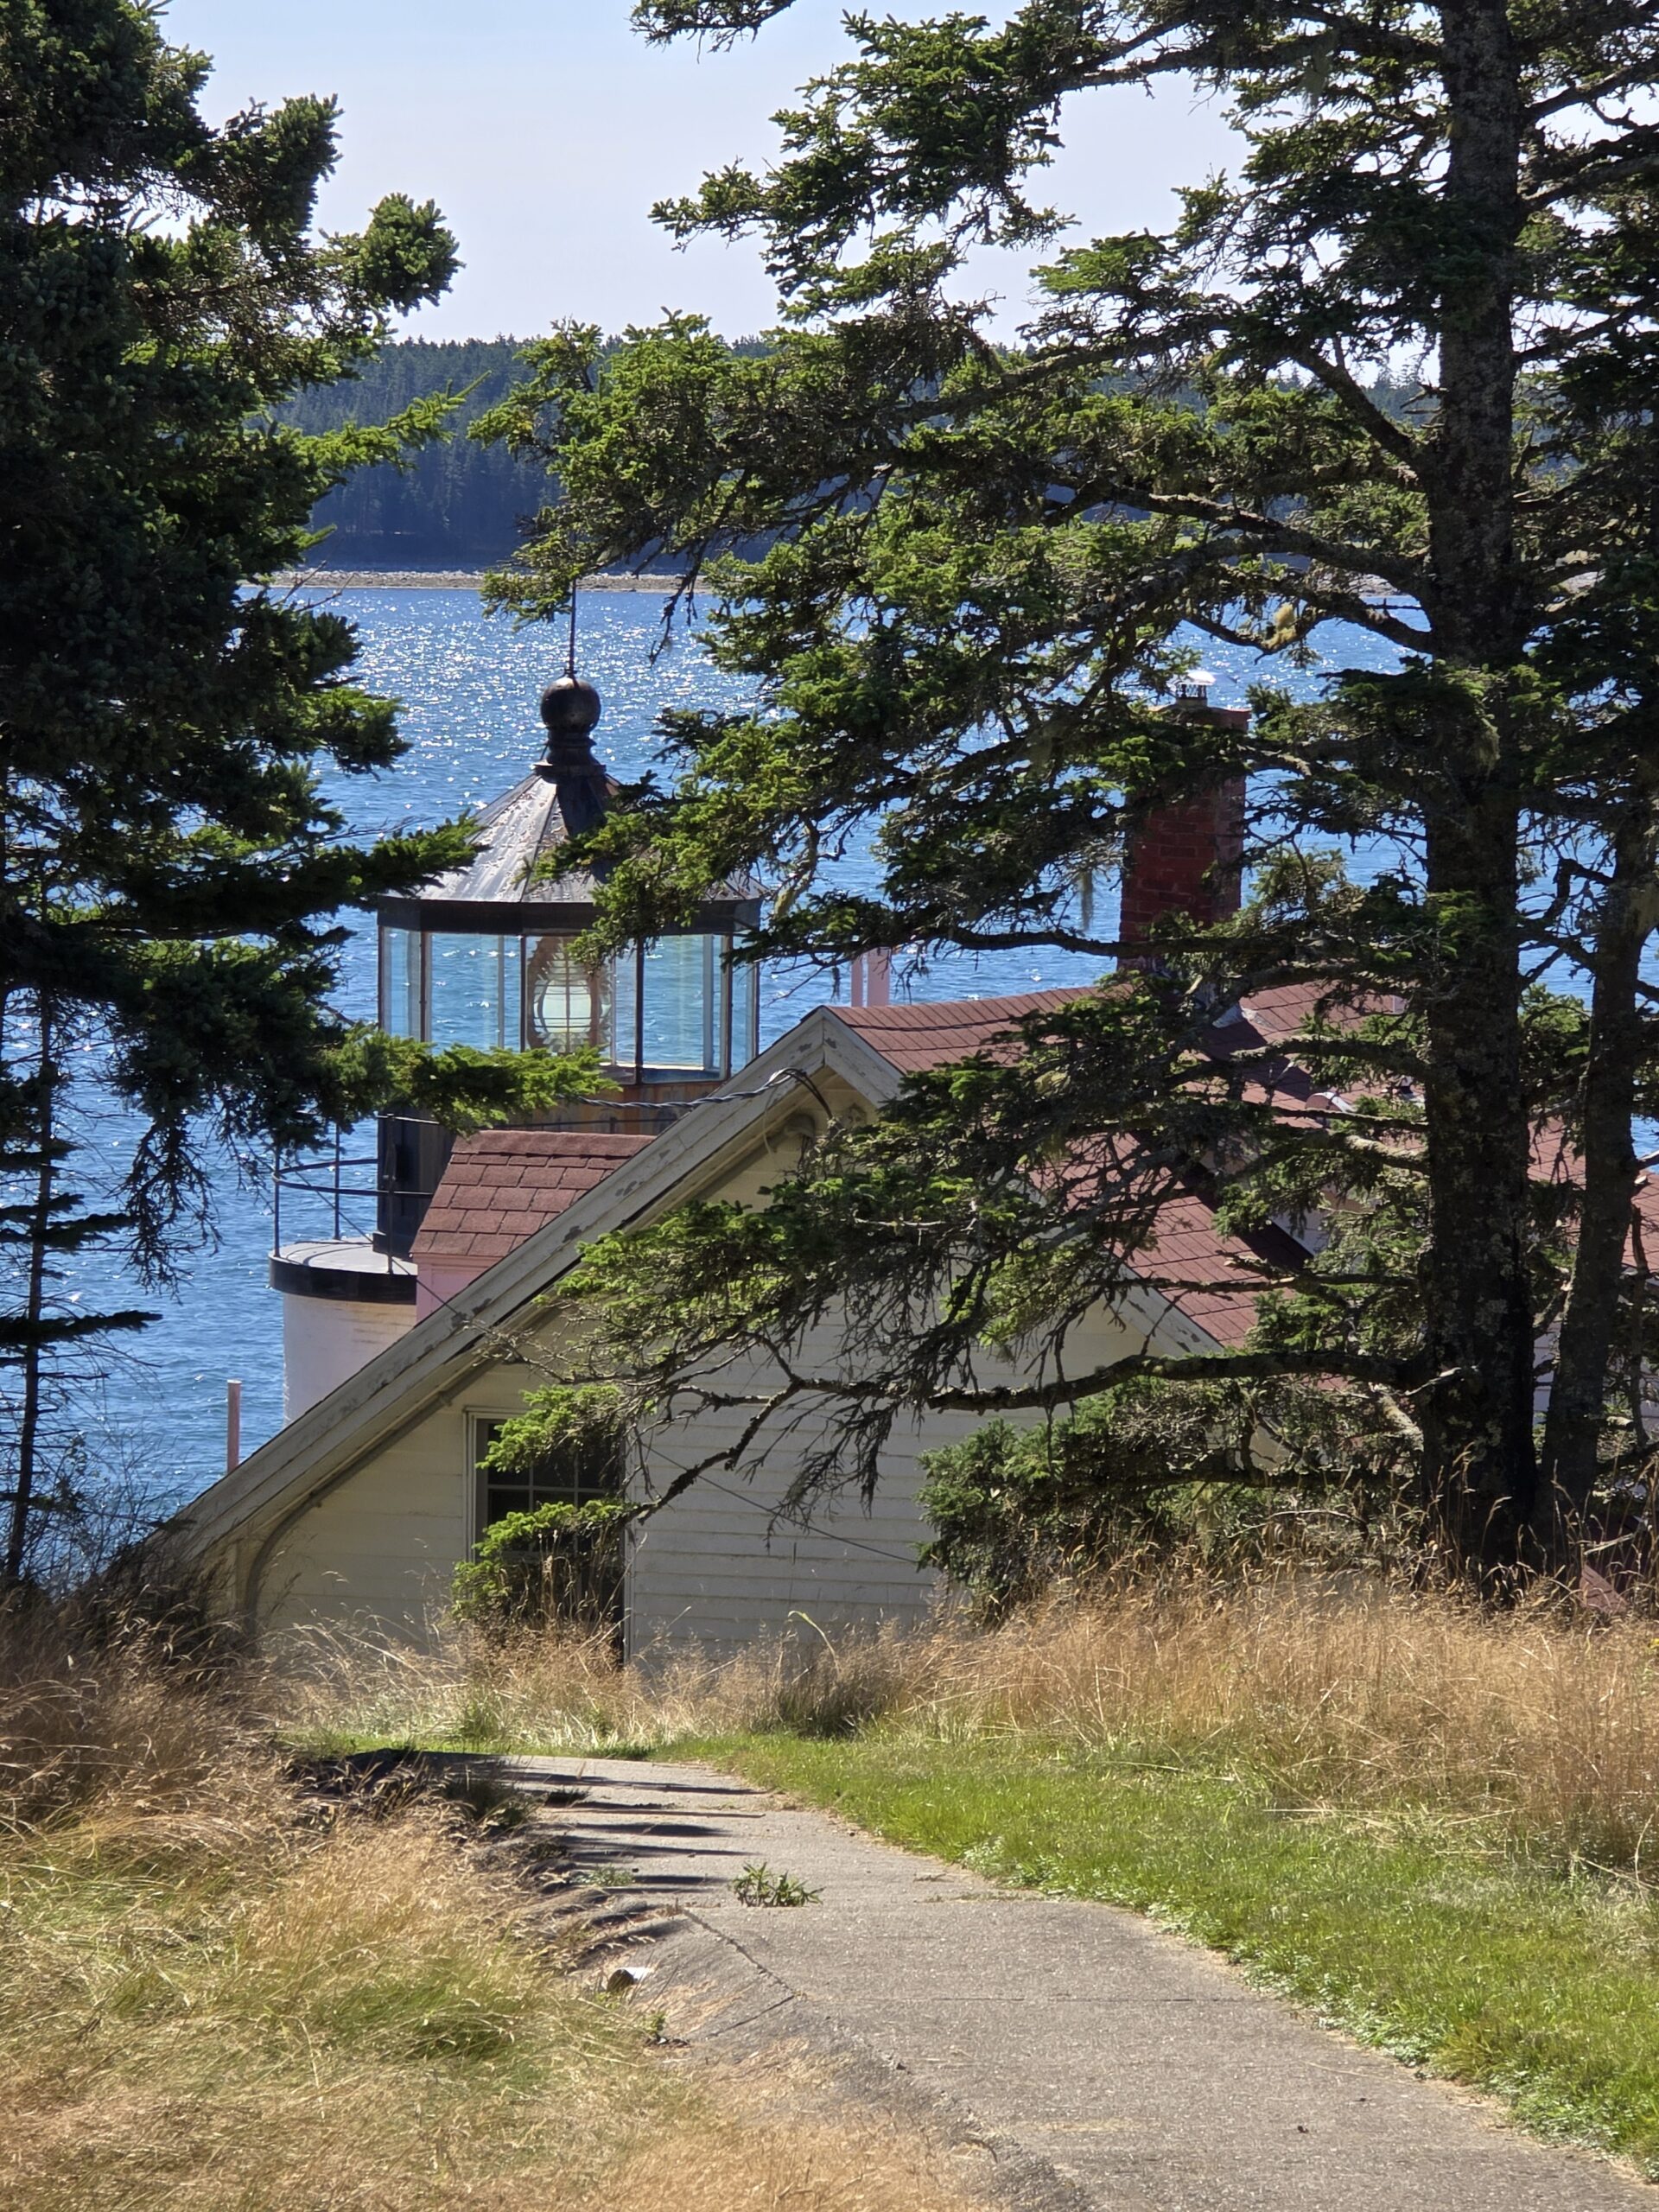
[545, 129]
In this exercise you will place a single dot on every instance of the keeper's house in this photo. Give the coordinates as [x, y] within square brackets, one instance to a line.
[361, 1507]
[405, 1347]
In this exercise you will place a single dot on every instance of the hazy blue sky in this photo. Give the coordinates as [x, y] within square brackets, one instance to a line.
[545, 129]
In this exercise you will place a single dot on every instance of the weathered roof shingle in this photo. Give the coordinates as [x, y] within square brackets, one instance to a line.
[503, 1185]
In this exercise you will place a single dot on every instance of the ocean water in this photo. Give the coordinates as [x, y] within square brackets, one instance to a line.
[468, 688]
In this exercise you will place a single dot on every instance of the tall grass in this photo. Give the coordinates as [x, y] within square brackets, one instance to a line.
[218, 1997]
[1543, 1724]
[109, 1735]
[1539, 1725]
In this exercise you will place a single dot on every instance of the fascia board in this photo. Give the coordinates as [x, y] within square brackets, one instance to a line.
[847, 1051]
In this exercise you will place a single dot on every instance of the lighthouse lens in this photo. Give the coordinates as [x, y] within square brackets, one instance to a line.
[566, 1005]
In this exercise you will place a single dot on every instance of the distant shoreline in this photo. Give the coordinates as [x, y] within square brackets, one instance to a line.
[445, 580]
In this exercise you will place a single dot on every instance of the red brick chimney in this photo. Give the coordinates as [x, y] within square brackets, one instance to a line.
[1186, 859]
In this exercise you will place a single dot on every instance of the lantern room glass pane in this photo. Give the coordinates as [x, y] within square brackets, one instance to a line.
[624, 1031]
[566, 1004]
[681, 1003]
[400, 983]
[745, 1005]
[473, 992]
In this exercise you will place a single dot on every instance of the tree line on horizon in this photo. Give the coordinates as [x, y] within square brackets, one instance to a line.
[456, 503]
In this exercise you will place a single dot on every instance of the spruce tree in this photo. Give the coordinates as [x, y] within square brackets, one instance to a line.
[169, 874]
[1394, 371]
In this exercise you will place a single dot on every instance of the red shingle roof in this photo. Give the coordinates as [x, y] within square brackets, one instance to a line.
[1554, 1160]
[929, 1034]
[503, 1185]
[1208, 1276]
[1188, 1249]
[1285, 1009]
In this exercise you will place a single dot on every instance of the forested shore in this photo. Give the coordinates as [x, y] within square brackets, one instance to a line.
[457, 505]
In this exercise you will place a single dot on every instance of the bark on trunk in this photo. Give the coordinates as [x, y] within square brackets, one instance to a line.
[1480, 1462]
[1579, 1391]
[39, 1224]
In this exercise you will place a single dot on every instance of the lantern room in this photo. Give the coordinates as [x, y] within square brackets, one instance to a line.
[488, 954]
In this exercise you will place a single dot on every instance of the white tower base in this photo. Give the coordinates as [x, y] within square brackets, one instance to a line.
[343, 1302]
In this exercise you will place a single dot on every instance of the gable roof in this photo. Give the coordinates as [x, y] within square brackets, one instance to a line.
[504, 1184]
[1554, 1159]
[399, 1384]
[501, 1185]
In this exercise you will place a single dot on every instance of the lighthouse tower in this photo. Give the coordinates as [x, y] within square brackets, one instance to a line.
[486, 957]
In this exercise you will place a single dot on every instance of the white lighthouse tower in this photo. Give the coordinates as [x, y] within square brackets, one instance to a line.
[485, 956]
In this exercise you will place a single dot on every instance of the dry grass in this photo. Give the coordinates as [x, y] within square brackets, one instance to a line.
[552, 1691]
[212, 1998]
[1540, 1722]
[1537, 1720]
[209, 2000]
[119, 1719]
[763, 2153]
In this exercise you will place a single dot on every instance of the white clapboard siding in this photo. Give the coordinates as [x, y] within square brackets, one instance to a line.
[379, 1549]
[719, 1566]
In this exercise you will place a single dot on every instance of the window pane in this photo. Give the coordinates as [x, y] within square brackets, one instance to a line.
[744, 996]
[473, 990]
[624, 1032]
[566, 1005]
[564, 1478]
[510, 1011]
[681, 1003]
[400, 983]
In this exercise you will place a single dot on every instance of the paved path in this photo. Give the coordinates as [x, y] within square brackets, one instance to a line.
[1096, 2061]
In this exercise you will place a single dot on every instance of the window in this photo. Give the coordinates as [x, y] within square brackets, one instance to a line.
[400, 983]
[576, 1578]
[568, 1479]
[745, 1014]
[682, 1004]
[473, 990]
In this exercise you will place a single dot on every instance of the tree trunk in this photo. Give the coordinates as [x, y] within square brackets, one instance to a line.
[40, 1226]
[1578, 1392]
[1477, 1411]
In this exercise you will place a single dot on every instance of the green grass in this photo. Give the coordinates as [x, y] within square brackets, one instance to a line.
[1540, 1987]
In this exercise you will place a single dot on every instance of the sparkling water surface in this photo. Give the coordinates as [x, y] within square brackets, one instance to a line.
[468, 688]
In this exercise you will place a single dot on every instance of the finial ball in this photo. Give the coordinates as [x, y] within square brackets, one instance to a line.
[570, 707]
